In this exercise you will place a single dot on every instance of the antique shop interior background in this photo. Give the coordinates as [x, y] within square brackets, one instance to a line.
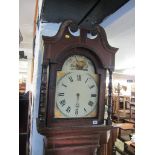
[120, 30]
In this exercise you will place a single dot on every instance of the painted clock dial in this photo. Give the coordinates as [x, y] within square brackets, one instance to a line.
[76, 95]
[78, 62]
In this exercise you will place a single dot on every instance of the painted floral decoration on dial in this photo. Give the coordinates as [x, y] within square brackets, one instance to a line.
[78, 62]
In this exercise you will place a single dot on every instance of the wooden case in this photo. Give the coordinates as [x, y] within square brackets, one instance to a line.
[79, 136]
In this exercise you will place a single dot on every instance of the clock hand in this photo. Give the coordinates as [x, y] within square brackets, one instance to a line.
[78, 95]
[77, 103]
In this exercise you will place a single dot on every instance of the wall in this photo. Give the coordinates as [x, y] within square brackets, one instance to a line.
[36, 140]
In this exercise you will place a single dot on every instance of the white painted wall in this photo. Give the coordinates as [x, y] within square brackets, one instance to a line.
[120, 30]
[36, 142]
[36, 139]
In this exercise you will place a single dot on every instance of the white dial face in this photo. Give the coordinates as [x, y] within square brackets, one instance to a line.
[78, 62]
[76, 95]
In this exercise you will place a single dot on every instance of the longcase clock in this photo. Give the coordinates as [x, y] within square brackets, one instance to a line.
[72, 95]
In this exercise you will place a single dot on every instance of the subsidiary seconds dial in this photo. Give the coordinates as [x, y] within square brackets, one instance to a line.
[76, 95]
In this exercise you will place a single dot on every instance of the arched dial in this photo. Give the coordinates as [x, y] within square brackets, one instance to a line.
[78, 62]
[76, 95]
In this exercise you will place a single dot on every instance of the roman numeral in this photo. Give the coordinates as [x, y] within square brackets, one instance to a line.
[68, 109]
[90, 103]
[64, 85]
[63, 102]
[85, 110]
[93, 95]
[61, 94]
[76, 111]
[71, 79]
[92, 86]
[78, 77]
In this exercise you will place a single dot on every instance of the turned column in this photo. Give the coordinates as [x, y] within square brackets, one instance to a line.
[109, 119]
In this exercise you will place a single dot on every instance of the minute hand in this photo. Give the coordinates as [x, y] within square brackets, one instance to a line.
[77, 102]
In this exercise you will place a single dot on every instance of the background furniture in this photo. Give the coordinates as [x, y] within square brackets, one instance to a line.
[124, 144]
[24, 122]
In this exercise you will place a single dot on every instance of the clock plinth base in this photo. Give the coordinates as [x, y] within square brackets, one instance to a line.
[80, 141]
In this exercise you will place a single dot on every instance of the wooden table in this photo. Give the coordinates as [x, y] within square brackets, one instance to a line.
[125, 127]
[130, 147]
[129, 121]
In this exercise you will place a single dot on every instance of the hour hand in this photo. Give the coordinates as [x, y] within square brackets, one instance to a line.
[77, 102]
